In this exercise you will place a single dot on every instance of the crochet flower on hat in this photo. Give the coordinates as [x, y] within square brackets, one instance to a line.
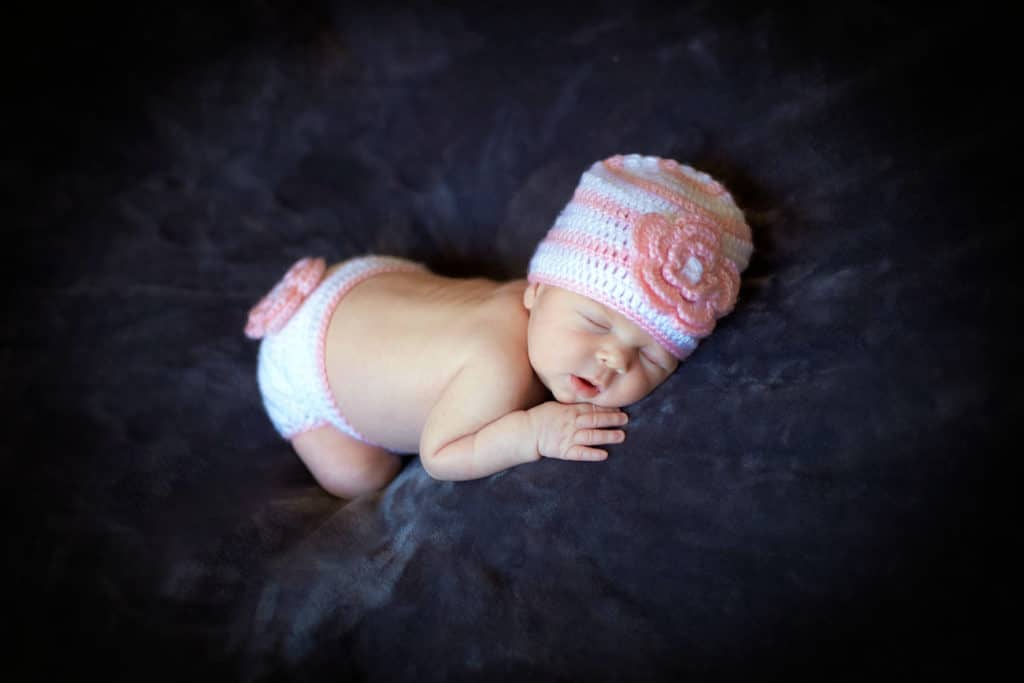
[679, 264]
[276, 308]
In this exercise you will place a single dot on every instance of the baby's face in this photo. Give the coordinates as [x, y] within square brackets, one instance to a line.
[585, 352]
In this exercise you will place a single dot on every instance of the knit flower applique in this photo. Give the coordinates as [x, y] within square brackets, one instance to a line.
[680, 266]
[276, 308]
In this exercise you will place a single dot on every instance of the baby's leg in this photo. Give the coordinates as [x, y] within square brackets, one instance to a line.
[344, 466]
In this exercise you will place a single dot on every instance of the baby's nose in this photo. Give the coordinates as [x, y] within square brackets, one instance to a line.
[613, 359]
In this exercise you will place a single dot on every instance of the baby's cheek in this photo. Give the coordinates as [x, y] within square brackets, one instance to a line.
[634, 388]
[655, 380]
[658, 381]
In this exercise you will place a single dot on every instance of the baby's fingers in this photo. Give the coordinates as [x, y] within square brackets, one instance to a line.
[585, 453]
[594, 437]
[606, 418]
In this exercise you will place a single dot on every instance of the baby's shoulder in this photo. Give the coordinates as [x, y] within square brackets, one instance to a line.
[500, 355]
[502, 363]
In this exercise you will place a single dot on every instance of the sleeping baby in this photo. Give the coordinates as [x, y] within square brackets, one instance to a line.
[377, 356]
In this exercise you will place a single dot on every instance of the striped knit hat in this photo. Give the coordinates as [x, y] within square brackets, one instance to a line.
[657, 241]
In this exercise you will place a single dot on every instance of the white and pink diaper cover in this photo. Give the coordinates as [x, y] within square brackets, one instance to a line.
[292, 321]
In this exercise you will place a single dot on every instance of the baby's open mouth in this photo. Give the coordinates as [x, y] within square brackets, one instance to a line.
[584, 387]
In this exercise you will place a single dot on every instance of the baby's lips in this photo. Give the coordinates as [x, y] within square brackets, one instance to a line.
[275, 309]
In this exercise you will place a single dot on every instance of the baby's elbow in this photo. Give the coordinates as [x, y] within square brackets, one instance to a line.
[448, 461]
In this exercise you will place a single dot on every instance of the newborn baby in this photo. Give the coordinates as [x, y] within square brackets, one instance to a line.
[377, 356]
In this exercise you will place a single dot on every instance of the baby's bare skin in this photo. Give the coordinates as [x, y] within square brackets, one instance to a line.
[397, 340]
[460, 370]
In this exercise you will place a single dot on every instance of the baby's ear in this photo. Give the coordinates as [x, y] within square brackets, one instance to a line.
[530, 295]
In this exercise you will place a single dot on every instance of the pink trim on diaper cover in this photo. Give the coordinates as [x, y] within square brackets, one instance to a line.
[387, 265]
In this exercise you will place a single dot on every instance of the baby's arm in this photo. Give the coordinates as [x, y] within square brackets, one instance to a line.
[476, 428]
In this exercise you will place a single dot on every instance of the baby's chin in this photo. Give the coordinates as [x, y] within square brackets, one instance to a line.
[560, 394]
[594, 401]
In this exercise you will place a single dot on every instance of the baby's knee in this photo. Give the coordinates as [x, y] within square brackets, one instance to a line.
[359, 476]
[343, 466]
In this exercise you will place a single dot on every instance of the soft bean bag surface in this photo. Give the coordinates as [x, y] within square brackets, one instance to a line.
[807, 496]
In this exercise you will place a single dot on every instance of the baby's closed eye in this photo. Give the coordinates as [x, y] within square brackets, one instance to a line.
[657, 359]
[594, 324]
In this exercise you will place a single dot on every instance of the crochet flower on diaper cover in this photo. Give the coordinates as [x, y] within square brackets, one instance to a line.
[276, 308]
[679, 264]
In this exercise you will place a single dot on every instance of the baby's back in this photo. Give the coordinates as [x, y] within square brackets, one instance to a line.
[396, 340]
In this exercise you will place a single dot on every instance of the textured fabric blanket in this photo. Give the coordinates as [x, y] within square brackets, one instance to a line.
[806, 496]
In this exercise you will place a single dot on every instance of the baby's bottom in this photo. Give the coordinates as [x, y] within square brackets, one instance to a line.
[344, 466]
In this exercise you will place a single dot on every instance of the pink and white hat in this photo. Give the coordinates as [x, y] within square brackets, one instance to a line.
[657, 241]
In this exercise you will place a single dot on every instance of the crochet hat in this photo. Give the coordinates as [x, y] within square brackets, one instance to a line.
[657, 241]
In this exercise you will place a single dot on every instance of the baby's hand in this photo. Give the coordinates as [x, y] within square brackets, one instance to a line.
[567, 431]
